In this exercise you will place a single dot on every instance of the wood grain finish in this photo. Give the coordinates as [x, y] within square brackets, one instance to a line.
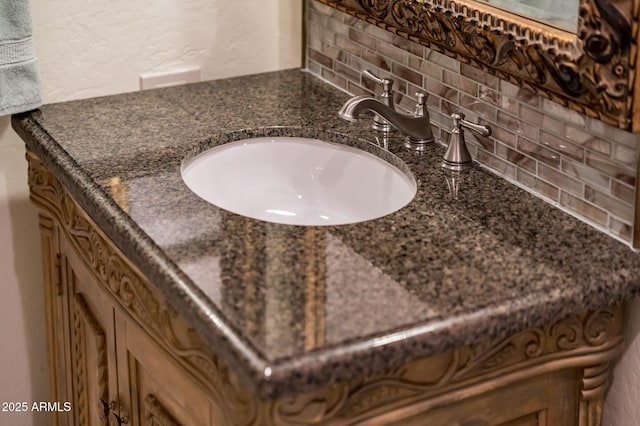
[90, 362]
[160, 372]
[156, 414]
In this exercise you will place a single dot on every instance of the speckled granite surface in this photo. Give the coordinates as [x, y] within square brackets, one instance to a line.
[294, 308]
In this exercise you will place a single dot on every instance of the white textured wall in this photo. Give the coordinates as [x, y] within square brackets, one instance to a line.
[91, 48]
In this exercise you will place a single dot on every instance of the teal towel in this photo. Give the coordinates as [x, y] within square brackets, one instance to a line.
[19, 79]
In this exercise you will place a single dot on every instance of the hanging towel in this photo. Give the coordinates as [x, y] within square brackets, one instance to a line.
[19, 79]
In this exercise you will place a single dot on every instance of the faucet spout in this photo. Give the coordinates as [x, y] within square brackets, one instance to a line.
[417, 127]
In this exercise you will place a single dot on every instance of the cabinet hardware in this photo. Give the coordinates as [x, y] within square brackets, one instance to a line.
[110, 409]
[105, 408]
[122, 420]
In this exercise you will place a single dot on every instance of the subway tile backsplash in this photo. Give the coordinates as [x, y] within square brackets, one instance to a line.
[579, 163]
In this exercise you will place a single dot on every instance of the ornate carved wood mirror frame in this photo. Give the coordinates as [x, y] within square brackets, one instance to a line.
[592, 71]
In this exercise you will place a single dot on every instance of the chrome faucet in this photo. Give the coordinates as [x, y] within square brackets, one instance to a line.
[417, 126]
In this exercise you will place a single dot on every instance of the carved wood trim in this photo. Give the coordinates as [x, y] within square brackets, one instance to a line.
[83, 319]
[586, 342]
[49, 252]
[592, 72]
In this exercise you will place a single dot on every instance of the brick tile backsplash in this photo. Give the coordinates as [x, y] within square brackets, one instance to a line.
[576, 162]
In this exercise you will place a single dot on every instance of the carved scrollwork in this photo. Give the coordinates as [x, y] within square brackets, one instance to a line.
[379, 9]
[311, 409]
[591, 71]
[597, 326]
[186, 344]
[568, 333]
[596, 334]
[83, 319]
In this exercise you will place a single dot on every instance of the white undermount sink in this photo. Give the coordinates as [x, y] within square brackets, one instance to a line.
[298, 181]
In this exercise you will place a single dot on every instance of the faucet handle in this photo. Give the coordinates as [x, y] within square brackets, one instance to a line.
[386, 83]
[457, 157]
[459, 121]
[421, 105]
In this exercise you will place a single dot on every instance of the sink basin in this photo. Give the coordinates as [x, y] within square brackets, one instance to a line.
[298, 181]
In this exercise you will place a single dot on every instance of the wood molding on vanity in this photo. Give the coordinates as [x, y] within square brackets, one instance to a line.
[122, 355]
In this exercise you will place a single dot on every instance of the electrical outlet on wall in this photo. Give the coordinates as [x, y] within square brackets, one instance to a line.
[154, 80]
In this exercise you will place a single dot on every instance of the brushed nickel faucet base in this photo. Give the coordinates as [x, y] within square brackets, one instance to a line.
[419, 144]
[381, 125]
[457, 167]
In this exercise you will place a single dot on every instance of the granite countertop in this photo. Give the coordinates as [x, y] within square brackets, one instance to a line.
[293, 308]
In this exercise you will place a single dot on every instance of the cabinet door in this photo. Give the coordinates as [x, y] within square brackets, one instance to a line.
[155, 388]
[92, 352]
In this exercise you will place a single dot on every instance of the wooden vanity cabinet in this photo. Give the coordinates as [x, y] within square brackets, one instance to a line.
[121, 355]
[101, 359]
[104, 363]
[117, 370]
